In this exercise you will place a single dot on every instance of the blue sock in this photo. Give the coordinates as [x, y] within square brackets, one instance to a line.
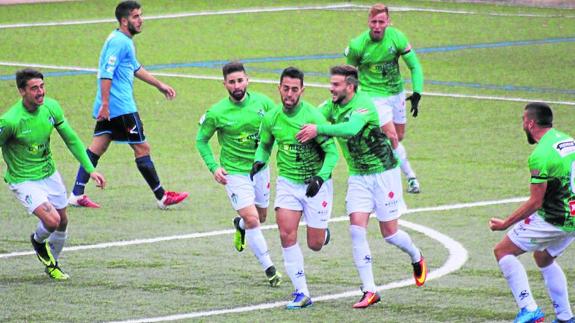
[147, 169]
[82, 177]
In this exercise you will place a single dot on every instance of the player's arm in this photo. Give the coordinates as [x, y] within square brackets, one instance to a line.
[264, 149]
[414, 66]
[352, 56]
[205, 133]
[534, 202]
[5, 131]
[344, 129]
[145, 76]
[105, 87]
[331, 156]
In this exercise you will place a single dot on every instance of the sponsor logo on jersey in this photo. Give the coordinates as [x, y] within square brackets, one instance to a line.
[51, 119]
[202, 119]
[261, 112]
[565, 147]
[392, 50]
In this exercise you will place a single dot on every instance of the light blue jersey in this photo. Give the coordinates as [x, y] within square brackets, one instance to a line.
[118, 62]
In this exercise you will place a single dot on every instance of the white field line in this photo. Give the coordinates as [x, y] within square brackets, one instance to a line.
[272, 9]
[268, 81]
[457, 257]
[265, 227]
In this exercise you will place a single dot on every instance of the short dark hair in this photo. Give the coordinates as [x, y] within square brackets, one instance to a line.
[232, 67]
[293, 73]
[541, 113]
[25, 75]
[124, 8]
[349, 72]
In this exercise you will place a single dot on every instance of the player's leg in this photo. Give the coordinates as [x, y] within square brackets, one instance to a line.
[359, 204]
[137, 140]
[554, 277]
[389, 204]
[400, 121]
[100, 143]
[518, 240]
[317, 212]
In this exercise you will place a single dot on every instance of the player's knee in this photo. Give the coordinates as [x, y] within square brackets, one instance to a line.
[315, 244]
[288, 238]
[543, 258]
[52, 222]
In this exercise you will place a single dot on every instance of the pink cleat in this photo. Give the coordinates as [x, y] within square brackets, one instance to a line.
[82, 201]
[171, 198]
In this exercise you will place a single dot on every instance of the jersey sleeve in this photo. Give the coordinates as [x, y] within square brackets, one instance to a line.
[346, 129]
[205, 132]
[5, 131]
[352, 54]
[327, 144]
[266, 143]
[72, 140]
[326, 110]
[112, 57]
[538, 168]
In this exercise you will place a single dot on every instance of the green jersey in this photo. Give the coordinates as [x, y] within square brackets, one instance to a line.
[297, 161]
[378, 63]
[553, 161]
[366, 149]
[25, 141]
[237, 125]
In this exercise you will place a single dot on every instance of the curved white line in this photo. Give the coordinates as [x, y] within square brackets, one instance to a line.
[457, 257]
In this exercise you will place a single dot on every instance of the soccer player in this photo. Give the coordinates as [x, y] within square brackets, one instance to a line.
[31, 173]
[374, 183]
[545, 223]
[115, 111]
[376, 54]
[237, 119]
[304, 185]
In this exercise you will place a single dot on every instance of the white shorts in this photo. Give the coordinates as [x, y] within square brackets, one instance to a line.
[391, 108]
[33, 193]
[534, 234]
[316, 210]
[381, 193]
[242, 192]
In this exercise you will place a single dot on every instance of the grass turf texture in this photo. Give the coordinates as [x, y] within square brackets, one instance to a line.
[463, 150]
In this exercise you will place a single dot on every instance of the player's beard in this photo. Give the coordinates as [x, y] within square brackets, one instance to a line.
[530, 138]
[339, 99]
[237, 95]
[291, 106]
[132, 29]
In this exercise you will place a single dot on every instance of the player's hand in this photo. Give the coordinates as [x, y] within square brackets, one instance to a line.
[496, 224]
[220, 176]
[98, 179]
[414, 98]
[256, 167]
[307, 133]
[103, 113]
[313, 185]
[167, 90]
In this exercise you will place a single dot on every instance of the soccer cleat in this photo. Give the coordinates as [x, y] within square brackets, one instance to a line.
[43, 252]
[239, 236]
[274, 277]
[525, 316]
[368, 298]
[413, 185]
[171, 198]
[56, 273]
[571, 320]
[327, 236]
[82, 201]
[300, 301]
[420, 272]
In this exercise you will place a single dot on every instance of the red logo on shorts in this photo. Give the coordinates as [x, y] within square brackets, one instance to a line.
[390, 195]
[572, 208]
[324, 204]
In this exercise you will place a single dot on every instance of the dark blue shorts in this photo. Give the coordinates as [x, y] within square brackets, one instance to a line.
[127, 128]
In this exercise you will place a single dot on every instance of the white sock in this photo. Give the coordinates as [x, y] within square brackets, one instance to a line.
[257, 243]
[41, 233]
[404, 163]
[402, 240]
[56, 242]
[516, 276]
[242, 224]
[362, 257]
[556, 284]
[293, 262]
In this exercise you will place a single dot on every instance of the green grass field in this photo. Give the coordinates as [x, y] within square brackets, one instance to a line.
[467, 146]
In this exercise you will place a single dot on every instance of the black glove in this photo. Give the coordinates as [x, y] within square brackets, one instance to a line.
[313, 185]
[414, 98]
[256, 167]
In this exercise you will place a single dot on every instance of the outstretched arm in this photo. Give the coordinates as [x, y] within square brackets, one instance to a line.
[145, 76]
[525, 210]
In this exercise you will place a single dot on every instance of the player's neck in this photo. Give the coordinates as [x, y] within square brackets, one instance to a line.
[124, 30]
[539, 133]
[31, 108]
